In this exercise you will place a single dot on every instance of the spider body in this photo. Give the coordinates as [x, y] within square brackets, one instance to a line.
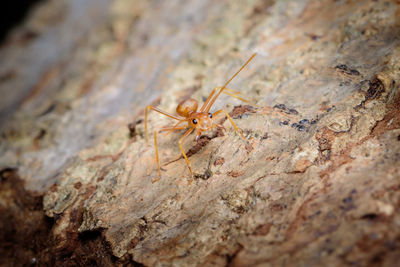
[200, 120]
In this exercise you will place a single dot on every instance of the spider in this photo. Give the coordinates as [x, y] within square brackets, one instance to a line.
[199, 120]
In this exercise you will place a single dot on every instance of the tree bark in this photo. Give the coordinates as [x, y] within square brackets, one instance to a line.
[316, 182]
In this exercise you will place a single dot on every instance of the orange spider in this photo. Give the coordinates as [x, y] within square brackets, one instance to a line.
[201, 120]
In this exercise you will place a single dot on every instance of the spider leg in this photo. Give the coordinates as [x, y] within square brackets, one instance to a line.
[208, 99]
[159, 111]
[211, 99]
[230, 119]
[156, 147]
[227, 91]
[157, 158]
[183, 152]
[236, 94]
[173, 128]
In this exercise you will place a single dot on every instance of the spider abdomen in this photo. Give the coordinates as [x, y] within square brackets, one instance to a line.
[186, 107]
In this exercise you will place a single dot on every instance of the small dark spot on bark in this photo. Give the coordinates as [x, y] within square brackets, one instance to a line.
[282, 123]
[375, 90]
[277, 207]
[219, 161]
[187, 253]
[205, 176]
[132, 129]
[348, 203]
[304, 122]
[346, 70]
[301, 128]
[315, 214]
[77, 185]
[249, 147]
[75, 216]
[283, 108]
[101, 178]
[369, 216]
[265, 136]
[134, 242]
[239, 111]
[40, 135]
[89, 235]
[326, 154]
[7, 75]
[330, 251]
[27, 36]
[48, 110]
[6, 173]
[262, 229]
[235, 174]
[377, 258]
[280, 106]
[269, 158]
[348, 199]
[53, 188]
[313, 36]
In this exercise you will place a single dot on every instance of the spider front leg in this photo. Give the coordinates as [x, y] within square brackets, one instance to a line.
[227, 91]
[173, 128]
[183, 152]
[157, 158]
[159, 111]
[230, 119]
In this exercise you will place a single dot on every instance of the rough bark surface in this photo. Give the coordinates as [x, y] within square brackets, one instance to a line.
[317, 182]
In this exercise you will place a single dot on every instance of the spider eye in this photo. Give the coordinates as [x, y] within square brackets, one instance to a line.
[194, 121]
[210, 115]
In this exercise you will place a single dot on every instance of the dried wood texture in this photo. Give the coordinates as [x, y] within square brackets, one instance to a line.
[318, 181]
